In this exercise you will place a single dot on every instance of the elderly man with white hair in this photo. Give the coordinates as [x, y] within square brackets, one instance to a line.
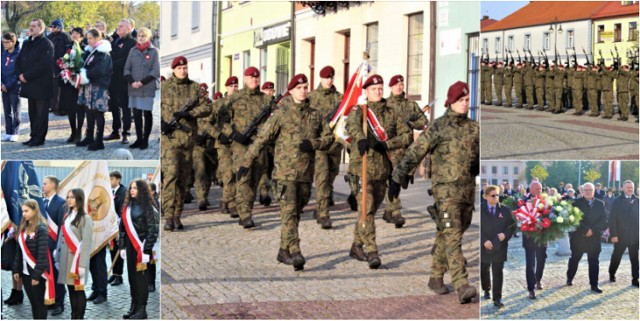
[623, 225]
[535, 255]
[586, 238]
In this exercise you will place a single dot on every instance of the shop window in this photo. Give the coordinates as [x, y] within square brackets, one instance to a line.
[372, 45]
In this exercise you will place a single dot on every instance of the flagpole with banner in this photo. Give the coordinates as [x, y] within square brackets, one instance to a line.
[20, 183]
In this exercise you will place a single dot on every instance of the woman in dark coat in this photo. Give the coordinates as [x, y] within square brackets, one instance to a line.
[496, 228]
[69, 95]
[10, 87]
[138, 230]
[94, 94]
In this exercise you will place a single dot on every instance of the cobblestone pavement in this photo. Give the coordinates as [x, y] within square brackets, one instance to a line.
[56, 146]
[217, 270]
[509, 133]
[118, 301]
[619, 301]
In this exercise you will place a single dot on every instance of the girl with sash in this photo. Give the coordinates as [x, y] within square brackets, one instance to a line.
[138, 234]
[74, 251]
[33, 262]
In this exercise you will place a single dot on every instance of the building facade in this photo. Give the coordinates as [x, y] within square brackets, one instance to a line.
[498, 172]
[616, 26]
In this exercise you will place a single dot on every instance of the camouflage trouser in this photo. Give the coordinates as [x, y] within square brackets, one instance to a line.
[486, 92]
[498, 89]
[365, 231]
[592, 98]
[623, 102]
[607, 102]
[540, 97]
[247, 187]
[508, 91]
[634, 100]
[292, 198]
[204, 166]
[519, 95]
[176, 168]
[551, 98]
[529, 92]
[327, 167]
[558, 97]
[455, 210]
[577, 99]
[396, 205]
[264, 185]
[225, 173]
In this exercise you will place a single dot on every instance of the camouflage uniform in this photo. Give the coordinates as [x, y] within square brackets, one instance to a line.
[634, 90]
[453, 143]
[549, 89]
[243, 107]
[225, 163]
[527, 77]
[406, 109]
[485, 79]
[204, 157]
[558, 85]
[176, 151]
[498, 74]
[327, 163]
[508, 85]
[517, 82]
[622, 86]
[540, 76]
[378, 165]
[606, 81]
[287, 128]
[577, 88]
[593, 84]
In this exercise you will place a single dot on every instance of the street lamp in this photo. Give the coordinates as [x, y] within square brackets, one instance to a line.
[556, 28]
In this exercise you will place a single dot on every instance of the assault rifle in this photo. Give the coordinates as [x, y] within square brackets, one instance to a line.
[261, 117]
[174, 123]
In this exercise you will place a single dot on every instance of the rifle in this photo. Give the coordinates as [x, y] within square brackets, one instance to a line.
[617, 55]
[601, 61]
[586, 56]
[174, 122]
[261, 117]
[546, 59]
[567, 62]
[519, 60]
[575, 57]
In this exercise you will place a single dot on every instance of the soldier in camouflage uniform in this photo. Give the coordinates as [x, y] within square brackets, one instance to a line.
[297, 131]
[607, 74]
[508, 84]
[485, 79]
[176, 92]
[593, 84]
[327, 164]
[264, 185]
[622, 86]
[242, 109]
[378, 164]
[634, 91]
[453, 143]
[558, 85]
[577, 87]
[540, 74]
[527, 77]
[518, 82]
[498, 80]
[549, 88]
[204, 155]
[411, 114]
[225, 154]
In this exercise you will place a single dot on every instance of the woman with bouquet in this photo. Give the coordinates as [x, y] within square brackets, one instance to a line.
[70, 64]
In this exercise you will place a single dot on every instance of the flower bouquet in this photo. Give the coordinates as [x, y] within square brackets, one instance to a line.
[510, 201]
[70, 64]
[546, 218]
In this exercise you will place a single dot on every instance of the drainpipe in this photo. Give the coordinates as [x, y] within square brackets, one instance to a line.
[217, 53]
[292, 32]
[432, 54]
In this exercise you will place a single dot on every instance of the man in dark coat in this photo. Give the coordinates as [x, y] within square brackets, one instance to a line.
[118, 192]
[119, 101]
[623, 226]
[61, 42]
[586, 239]
[535, 255]
[35, 73]
[599, 193]
[54, 207]
[496, 229]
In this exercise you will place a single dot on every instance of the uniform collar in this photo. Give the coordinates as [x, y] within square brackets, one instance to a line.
[326, 91]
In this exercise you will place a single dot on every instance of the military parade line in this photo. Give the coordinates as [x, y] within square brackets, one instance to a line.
[246, 137]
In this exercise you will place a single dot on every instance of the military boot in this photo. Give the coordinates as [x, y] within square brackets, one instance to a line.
[284, 257]
[325, 222]
[131, 311]
[265, 200]
[247, 223]
[437, 285]
[387, 216]
[169, 224]
[233, 212]
[466, 293]
[188, 198]
[353, 203]
[298, 261]
[398, 220]
[357, 252]
[140, 314]
[224, 207]
[202, 206]
[374, 260]
[179, 225]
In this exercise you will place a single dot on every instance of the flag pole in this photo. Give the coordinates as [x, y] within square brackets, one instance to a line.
[364, 168]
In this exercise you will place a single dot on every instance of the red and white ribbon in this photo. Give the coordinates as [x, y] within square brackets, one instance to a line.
[75, 247]
[49, 286]
[133, 237]
[53, 228]
[378, 130]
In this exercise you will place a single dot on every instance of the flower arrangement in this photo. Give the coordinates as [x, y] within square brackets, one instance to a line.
[70, 64]
[546, 218]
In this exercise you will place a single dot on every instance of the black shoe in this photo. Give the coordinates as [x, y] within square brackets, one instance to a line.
[596, 289]
[36, 143]
[357, 252]
[93, 296]
[621, 118]
[612, 278]
[131, 311]
[111, 279]
[113, 136]
[125, 140]
[233, 212]
[487, 296]
[298, 261]
[353, 203]
[11, 297]
[179, 225]
[398, 220]
[117, 281]
[325, 222]
[27, 142]
[569, 282]
[331, 202]
[96, 146]
[169, 225]
[140, 313]
[539, 286]
[136, 144]
[634, 282]
[151, 287]
[498, 304]
[532, 295]
[144, 145]
[100, 299]
[386, 216]
[374, 260]
[71, 138]
[57, 310]
[188, 198]
[202, 206]
[266, 200]
[284, 257]
[247, 223]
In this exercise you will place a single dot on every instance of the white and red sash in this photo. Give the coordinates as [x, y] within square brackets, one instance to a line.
[49, 285]
[53, 228]
[133, 237]
[75, 246]
[378, 130]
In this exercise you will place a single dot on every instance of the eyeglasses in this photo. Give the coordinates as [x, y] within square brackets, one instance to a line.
[493, 195]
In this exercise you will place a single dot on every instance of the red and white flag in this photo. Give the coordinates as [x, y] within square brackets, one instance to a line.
[614, 171]
[354, 95]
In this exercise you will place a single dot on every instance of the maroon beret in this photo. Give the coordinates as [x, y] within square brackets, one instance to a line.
[373, 80]
[217, 95]
[456, 91]
[252, 71]
[327, 72]
[178, 61]
[268, 85]
[162, 78]
[297, 80]
[204, 86]
[233, 80]
[500, 63]
[395, 79]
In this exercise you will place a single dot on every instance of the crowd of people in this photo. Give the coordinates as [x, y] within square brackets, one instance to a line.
[560, 86]
[82, 74]
[295, 146]
[618, 219]
[46, 263]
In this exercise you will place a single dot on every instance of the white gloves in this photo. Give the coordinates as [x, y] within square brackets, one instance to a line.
[123, 254]
[81, 273]
[145, 258]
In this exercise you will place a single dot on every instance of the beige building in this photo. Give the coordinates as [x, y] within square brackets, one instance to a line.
[498, 172]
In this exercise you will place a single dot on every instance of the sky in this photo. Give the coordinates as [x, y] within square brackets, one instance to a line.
[500, 9]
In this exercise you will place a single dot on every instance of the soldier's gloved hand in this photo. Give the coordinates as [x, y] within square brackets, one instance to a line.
[183, 115]
[363, 145]
[165, 127]
[394, 189]
[241, 172]
[224, 117]
[224, 139]
[406, 180]
[415, 117]
[380, 146]
[306, 146]
[202, 140]
[238, 137]
[410, 179]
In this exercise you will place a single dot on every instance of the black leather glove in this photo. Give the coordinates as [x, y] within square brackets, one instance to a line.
[405, 181]
[224, 139]
[306, 146]
[410, 178]
[363, 145]
[394, 190]
[380, 146]
[415, 117]
[243, 171]
[202, 140]
[224, 117]
[165, 127]
[238, 137]
[183, 115]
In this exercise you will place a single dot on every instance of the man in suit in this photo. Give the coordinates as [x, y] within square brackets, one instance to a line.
[508, 190]
[586, 239]
[561, 189]
[118, 192]
[54, 206]
[599, 193]
[535, 255]
[496, 229]
[623, 226]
